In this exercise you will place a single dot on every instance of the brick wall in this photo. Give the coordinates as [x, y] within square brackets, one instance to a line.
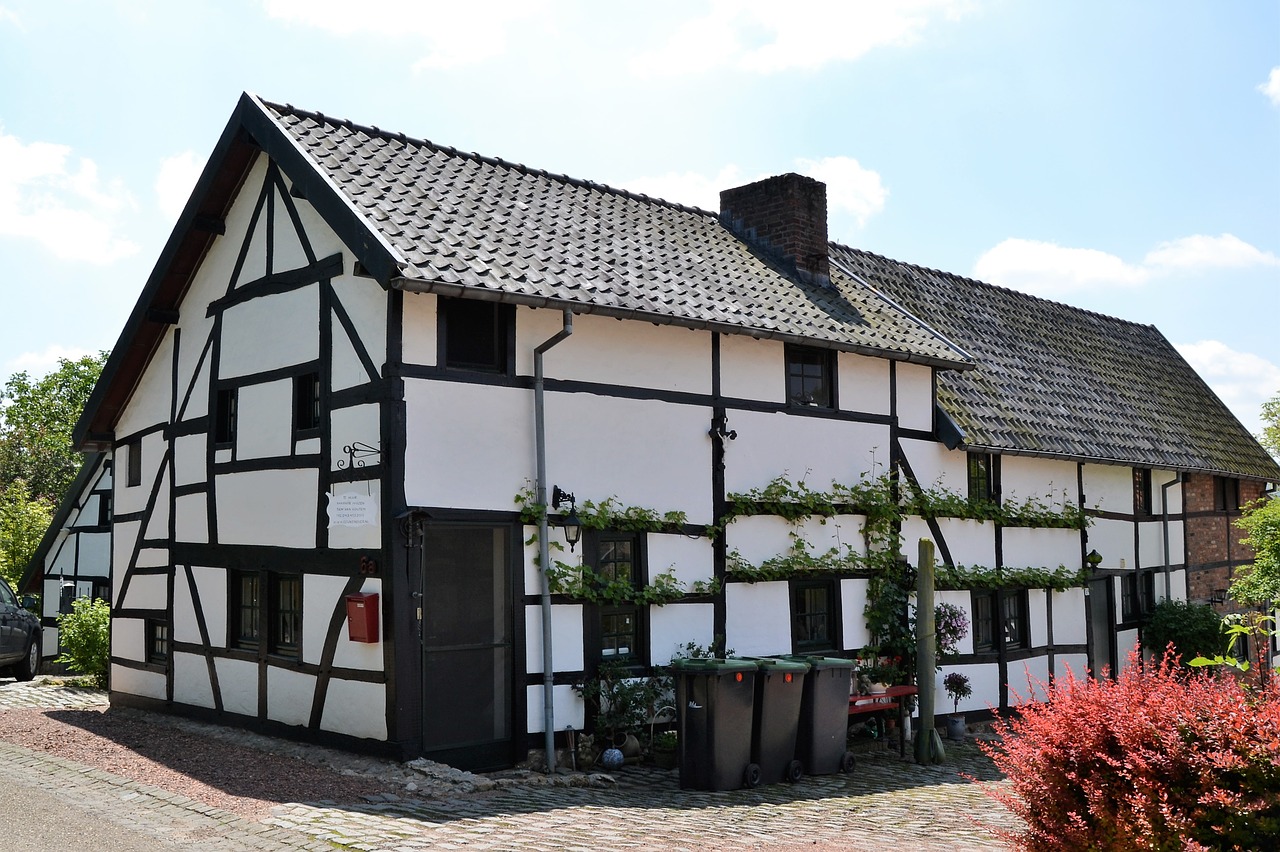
[788, 215]
[1214, 551]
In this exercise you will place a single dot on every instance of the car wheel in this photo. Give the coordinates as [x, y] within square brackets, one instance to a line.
[30, 665]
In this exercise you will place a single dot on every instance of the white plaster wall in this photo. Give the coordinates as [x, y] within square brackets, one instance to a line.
[149, 403]
[532, 575]
[290, 695]
[356, 709]
[420, 339]
[690, 557]
[212, 584]
[1038, 614]
[915, 396]
[361, 655]
[758, 537]
[357, 423]
[64, 560]
[617, 352]
[1076, 664]
[565, 704]
[271, 507]
[193, 389]
[86, 515]
[238, 682]
[970, 542]
[264, 420]
[191, 680]
[853, 620]
[1108, 487]
[190, 459]
[1126, 641]
[1069, 617]
[138, 682]
[324, 241]
[1037, 548]
[122, 540]
[191, 518]
[270, 332]
[255, 264]
[157, 524]
[147, 591]
[129, 499]
[1028, 680]
[1113, 540]
[817, 450]
[320, 596]
[366, 305]
[566, 638]
[368, 536]
[1047, 480]
[128, 639]
[49, 642]
[934, 465]
[1158, 479]
[185, 628]
[984, 680]
[863, 383]
[759, 618]
[286, 249]
[1178, 584]
[752, 369]
[152, 557]
[1151, 544]
[307, 447]
[914, 529]
[673, 626]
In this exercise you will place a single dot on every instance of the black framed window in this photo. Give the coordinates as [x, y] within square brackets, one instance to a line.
[982, 478]
[245, 628]
[224, 417]
[286, 614]
[1141, 491]
[158, 642]
[266, 604]
[1001, 619]
[133, 473]
[1137, 594]
[1015, 619]
[306, 402]
[476, 335]
[814, 615]
[1226, 494]
[811, 377]
[620, 629]
[104, 508]
[984, 634]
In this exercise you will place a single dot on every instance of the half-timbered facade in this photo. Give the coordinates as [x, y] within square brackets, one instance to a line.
[330, 389]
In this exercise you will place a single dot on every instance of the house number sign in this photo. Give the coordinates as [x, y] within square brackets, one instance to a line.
[352, 510]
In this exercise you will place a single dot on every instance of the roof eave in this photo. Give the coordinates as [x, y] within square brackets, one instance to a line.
[1115, 461]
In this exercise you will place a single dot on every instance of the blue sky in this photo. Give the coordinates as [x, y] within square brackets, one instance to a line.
[1120, 157]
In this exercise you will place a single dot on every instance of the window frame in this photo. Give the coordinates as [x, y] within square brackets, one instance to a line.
[599, 614]
[990, 608]
[133, 463]
[983, 476]
[158, 642]
[237, 609]
[798, 357]
[225, 413]
[502, 362]
[1226, 494]
[307, 410]
[831, 614]
[266, 612]
[282, 621]
[1142, 494]
[1137, 595]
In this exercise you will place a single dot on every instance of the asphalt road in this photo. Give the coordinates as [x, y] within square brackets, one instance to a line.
[35, 820]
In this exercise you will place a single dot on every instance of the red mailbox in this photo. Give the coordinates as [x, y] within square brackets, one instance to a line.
[362, 617]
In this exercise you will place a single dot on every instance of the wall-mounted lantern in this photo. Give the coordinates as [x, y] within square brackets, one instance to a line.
[572, 525]
[1218, 597]
[1094, 558]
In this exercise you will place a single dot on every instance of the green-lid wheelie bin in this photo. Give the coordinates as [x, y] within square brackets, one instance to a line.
[821, 744]
[779, 693]
[715, 703]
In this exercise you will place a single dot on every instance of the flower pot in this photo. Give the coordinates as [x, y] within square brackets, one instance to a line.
[956, 728]
[876, 688]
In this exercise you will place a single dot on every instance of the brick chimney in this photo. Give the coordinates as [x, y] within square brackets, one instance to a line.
[786, 216]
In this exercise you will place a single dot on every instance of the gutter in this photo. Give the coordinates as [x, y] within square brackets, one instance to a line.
[544, 546]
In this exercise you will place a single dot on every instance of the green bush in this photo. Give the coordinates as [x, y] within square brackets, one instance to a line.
[1195, 630]
[85, 637]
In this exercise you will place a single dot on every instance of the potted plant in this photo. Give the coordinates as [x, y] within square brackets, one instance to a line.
[957, 686]
[664, 749]
[619, 705]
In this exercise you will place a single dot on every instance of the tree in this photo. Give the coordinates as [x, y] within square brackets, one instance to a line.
[23, 521]
[1260, 584]
[36, 421]
[1270, 437]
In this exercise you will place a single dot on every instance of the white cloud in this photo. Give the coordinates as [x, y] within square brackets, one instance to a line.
[1050, 270]
[1271, 88]
[7, 14]
[1202, 252]
[690, 188]
[765, 36]
[452, 34]
[1242, 380]
[43, 362]
[175, 180]
[67, 209]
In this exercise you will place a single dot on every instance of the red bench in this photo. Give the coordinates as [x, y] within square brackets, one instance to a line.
[890, 699]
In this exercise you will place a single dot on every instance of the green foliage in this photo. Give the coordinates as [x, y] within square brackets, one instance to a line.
[1253, 627]
[85, 636]
[1260, 583]
[1270, 437]
[23, 521]
[1193, 629]
[957, 686]
[36, 421]
[958, 577]
[608, 514]
[619, 703]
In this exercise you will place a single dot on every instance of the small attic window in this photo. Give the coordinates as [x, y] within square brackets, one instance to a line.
[133, 452]
[1142, 491]
[476, 335]
[811, 377]
[982, 478]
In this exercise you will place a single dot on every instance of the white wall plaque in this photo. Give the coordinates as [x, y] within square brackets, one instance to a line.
[352, 510]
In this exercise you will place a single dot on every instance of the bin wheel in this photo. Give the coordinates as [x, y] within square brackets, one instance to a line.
[848, 762]
[795, 771]
[751, 777]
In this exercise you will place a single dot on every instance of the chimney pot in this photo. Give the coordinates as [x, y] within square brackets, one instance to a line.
[786, 216]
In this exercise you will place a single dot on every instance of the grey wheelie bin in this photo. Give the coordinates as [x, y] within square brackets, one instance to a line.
[715, 702]
[779, 692]
[824, 716]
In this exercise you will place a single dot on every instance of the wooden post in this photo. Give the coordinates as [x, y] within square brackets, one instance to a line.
[926, 652]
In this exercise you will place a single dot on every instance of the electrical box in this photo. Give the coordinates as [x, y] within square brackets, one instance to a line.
[362, 617]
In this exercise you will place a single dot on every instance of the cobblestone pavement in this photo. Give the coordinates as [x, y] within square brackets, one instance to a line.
[884, 802]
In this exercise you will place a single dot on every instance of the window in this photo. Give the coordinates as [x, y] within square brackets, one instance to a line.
[158, 642]
[224, 417]
[1141, 491]
[133, 477]
[982, 480]
[1226, 494]
[280, 610]
[1137, 594]
[1014, 607]
[810, 377]
[306, 402]
[983, 624]
[616, 558]
[246, 609]
[813, 615]
[474, 335]
[104, 508]
[1000, 619]
[286, 614]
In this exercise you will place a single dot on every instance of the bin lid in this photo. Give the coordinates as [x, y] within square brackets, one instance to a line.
[821, 663]
[781, 664]
[702, 665]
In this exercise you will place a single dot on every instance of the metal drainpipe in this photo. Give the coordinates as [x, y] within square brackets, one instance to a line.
[544, 547]
[1164, 528]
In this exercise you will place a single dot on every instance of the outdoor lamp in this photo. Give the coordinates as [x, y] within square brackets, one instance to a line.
[1094, 559]
[572, 525]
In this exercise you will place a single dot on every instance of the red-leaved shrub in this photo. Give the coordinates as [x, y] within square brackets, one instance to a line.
[1157, 759]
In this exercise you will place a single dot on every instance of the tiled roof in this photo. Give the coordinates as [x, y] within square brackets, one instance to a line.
[495, 228]
[1057, 380]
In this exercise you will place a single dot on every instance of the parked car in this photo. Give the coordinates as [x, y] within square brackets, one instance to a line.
[19, 637]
